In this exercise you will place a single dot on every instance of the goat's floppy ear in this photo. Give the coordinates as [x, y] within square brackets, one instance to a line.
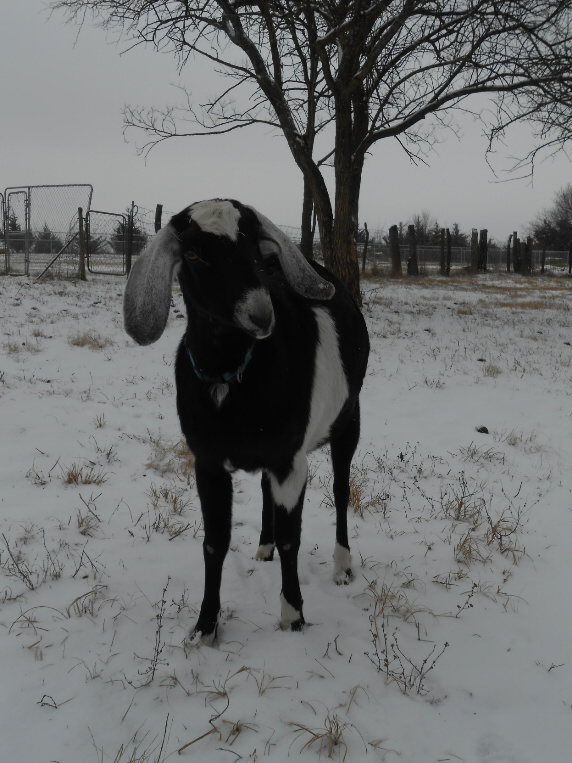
[148, 292]
[299, 273]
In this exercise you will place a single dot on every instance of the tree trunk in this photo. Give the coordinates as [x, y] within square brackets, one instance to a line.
[307, 236]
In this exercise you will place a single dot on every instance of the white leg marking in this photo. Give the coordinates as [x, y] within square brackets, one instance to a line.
[289, 614]
[330, 388]
[287, 493]
[342, 565]
[264, 552]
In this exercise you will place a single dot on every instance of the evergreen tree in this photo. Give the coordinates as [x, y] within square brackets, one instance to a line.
[16, 235]
[458, 238]
[47, 242]
[119, 237]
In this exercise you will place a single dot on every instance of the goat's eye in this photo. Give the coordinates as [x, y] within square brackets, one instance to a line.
[194, 257]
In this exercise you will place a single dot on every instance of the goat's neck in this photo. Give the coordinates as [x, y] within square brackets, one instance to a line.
[216, 348]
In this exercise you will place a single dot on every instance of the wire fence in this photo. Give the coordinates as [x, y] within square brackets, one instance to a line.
[39, 227]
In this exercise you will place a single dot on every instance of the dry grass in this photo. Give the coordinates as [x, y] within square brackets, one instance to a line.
[90, 339]
[86, 474]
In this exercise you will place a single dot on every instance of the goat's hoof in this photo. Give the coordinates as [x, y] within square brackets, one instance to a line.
[265, 552]
[297, 625]
[199, 637]
[343, 577]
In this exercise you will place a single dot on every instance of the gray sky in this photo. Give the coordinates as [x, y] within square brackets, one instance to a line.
[60, 103]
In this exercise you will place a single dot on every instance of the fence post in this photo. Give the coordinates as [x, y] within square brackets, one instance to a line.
[448, 243]
[508, 244]
[516, 263]
[129, 253]
[528, 256]
[364, 256]
[570, 259]
[474, 266]
[158, 217]
[413, 261]
[483, 249]
[395, 252]
[543, 258]
[442, 263]
[81, 230]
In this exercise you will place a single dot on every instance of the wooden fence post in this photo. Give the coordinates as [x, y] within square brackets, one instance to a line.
[508, 245]
[395, 252]
[528, 256]
[129, 254]
[158, 217]
[413, 261]
[448, 241]
[81, 230]
[443, 264]
[474, 266]
[516, 264]
[570, 259]
[483, 250]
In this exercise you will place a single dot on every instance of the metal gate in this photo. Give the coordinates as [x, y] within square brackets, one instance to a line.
[41, 227]
[16, 228]
[106, 242]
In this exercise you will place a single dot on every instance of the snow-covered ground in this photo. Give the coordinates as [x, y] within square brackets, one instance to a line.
[453, 642]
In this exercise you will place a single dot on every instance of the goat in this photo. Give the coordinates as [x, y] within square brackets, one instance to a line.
[270, 367]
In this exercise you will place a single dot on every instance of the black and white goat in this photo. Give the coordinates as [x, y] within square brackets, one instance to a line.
[270, 368]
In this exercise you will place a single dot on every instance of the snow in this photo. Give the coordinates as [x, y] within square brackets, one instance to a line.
[100, 582]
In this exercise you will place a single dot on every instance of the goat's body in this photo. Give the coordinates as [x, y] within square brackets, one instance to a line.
[299, 390]
[263, 421]
[270, 367]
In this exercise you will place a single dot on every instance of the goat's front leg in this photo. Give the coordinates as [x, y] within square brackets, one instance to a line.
[215, 492]
[266, 545]
[288, 497]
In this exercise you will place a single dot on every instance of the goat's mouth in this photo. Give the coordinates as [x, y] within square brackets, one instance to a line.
[254, 313]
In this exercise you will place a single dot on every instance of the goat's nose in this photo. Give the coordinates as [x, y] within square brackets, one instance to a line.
[262, 320]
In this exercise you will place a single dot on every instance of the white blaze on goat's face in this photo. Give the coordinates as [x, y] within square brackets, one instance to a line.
[254, 313]
[217, 217]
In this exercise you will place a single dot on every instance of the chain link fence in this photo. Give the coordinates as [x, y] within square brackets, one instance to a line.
[40, 222]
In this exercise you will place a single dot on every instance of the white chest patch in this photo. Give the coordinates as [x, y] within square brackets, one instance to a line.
[330, 388]
[217, 217]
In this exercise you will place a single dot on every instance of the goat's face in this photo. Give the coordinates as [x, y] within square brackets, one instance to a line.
[219, 250]
[222, 268]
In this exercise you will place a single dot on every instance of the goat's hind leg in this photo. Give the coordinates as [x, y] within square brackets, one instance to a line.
[266, 546]
[288, 497]
[215, 493]
[343, 444]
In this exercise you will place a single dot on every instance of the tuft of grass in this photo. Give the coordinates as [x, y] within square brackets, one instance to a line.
[492, 370]
[88, 474]
[171, 458]
[90, 339]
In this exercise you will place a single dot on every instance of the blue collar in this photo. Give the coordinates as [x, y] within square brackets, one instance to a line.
[224, 378]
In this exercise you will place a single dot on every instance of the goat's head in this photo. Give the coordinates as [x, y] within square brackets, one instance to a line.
[217, 247]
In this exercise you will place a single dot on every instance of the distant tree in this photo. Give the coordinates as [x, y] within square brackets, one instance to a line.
[424, 225]
[16, 235]
[47, 242]
[434, 234]
[119, 237]
[458, 238]
[552, 227]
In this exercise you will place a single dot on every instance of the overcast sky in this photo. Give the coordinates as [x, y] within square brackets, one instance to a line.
[61, 97]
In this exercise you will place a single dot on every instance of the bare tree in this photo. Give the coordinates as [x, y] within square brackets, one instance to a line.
[342, 74]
